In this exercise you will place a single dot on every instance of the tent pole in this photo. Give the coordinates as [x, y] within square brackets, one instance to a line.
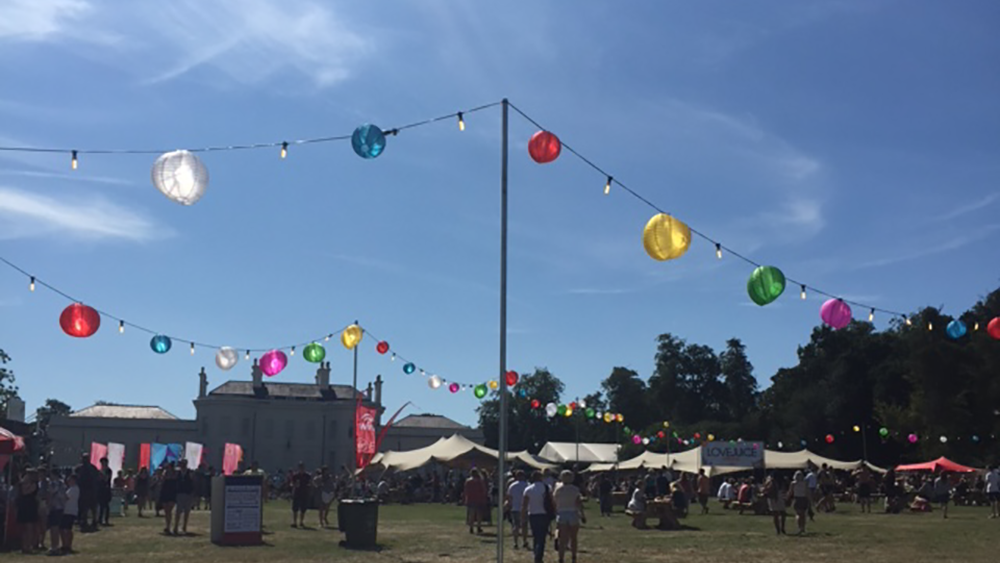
[502, 449]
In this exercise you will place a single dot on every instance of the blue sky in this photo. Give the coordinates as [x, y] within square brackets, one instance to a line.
[852, 144]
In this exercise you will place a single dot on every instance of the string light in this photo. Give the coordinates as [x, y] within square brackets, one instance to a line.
[871, 316]
[328, 337]
[121, 327]
[607, 186]
[247, 357]
[976, 326]
[907, 320]
[393, 357]
[31, 285]
[461, 122]
[192, 348]
[73, 162]
[930, 325]
[284, 149]
[718, 250]
[293, 351]
[803, 294]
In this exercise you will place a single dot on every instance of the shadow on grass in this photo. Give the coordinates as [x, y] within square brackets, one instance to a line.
[373, 549]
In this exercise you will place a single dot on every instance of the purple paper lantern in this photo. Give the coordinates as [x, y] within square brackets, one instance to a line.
[835, 313]
[271, 363]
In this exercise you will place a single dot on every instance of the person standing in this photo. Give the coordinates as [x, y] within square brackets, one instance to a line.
[569, 514]
[300, 495]
[87, 479]
[142, 490]
[704, 490]
[535, 509]
[168, 495]
[475, 501]
[185, 497]
[514, 500]
[993, 490]
[812, 483]
[70, 511]
[104, 494]
[942, 492]
[865, 486]
[327, 492]
[776, 502]
[57, 505]
[27, 510]
[605, 489]
[799, 491]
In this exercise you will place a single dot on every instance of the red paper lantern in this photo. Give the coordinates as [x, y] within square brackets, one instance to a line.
[535, 403]
[829, 438]
[697, 436]
[660, 434]
[382, 347]
[993, 329]
[511, 378]
[80, 320]
[544, 147]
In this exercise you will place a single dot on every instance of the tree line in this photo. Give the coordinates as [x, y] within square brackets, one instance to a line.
[905, 379]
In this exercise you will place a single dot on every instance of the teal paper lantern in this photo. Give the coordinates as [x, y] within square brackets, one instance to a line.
[409, 368]
[480, 391]
[160, 344]
[766, 284]
[368, 141]
[955, 329]
[314, 353]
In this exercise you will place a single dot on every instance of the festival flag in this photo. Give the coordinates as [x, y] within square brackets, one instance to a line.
[381, 434]
[144, 456]
[364, 435]
[174, 452]
[97, 451]
[158, 456]
[116, 457]
[192, 453]
[231, 458]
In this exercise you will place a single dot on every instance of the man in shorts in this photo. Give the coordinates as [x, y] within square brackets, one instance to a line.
[514, 500]
[185, 498]
[301, 481]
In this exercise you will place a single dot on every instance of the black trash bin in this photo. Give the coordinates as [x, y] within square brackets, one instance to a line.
[358, 519]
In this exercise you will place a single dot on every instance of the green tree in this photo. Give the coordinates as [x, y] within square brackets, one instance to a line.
[7, 387]
[43, 416]
[527, 428]
[740, 383]
[627, 394]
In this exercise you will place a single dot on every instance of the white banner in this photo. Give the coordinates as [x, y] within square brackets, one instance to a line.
[727, 454]
[192, 453]
[116, 458]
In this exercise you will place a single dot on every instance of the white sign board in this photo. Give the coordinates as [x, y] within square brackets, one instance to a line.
[242, 507]
[739, 454]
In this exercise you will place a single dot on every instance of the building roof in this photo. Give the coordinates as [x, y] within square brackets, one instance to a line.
[307, 391]
[428, 421]
[109, 410]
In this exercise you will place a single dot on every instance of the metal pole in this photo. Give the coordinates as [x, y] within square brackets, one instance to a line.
[354, 421]
[503, 333]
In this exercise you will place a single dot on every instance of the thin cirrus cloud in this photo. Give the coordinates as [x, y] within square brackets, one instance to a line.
[971, 207]
[30, 215]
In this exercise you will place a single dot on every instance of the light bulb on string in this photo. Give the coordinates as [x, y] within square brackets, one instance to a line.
[975, 326]
[31, 285]
[930, 325]
[718, 250]
[73, 161]
[393, 357]
[192, 348]
[803, 294]
[461, 122]
[284, 149]
[121, 327]
[907, 320]
[247, 357]
[328, 337]
[871, 316]
[293, 351]
[607, 186]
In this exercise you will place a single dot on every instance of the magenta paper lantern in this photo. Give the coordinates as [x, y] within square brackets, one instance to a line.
[835, 313]
[636, 439]
[544, 147]
[271, 363]
[912, 438]
[454, 387]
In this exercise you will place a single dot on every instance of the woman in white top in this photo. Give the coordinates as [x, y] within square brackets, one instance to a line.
[799, 491]
[569, 513]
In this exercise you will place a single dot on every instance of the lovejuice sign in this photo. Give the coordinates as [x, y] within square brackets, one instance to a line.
[742, 454]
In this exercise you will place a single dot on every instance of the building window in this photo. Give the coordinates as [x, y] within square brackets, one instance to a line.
[245, 427]
[310, 430]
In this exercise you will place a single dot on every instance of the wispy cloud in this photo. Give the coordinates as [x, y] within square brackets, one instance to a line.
[954, 243]
[40, 20]
[76, 177]
[28, 215]
[970, 207]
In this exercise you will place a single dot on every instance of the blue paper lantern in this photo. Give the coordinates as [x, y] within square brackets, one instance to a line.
[955, 329]
[804, 443]
[409, 368]
[368, 141]
[160, 344]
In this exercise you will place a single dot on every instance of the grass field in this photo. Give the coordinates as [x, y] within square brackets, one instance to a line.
[420, 533]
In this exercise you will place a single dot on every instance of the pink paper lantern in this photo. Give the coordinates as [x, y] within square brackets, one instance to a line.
[271, 363]
[912, 438]
[636, 439]
[454, 387]
[835, 313]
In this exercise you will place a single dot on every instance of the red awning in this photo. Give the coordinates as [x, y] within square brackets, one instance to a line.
[10, 443]
[939, 464]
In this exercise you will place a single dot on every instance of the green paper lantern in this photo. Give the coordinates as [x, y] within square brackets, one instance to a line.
[314, 353]
[590, 412]
[480, 391]
[561, 410]
[766, 284]
[883, 432]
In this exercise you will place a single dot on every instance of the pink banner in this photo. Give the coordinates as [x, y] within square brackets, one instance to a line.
[97, 451]
[364, 433]
[231, 458]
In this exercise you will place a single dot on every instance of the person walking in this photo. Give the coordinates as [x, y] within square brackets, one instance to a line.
[776, 502]
[535, 509]
[993, 490]
[514, 500]
[475, 501]
[185, 498]
[142, 490]
[168, 495]
[569, 514]
[704, 490]
[799, 492]
[300, 495]
[942, 492]
[605, 489]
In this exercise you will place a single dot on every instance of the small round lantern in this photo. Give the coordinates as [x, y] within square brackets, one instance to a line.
[561, 410]
[975, 438]
[551, 410]
[79, 320]
[572, 405]
[620, 417]
[544, 147]
[766, 284]
[944, 439]
[645, 441]
[803, 443]
[510, 378]
[368, 141]
[829, 438]
[480, 391]
[912, 438]
[382, 347]
[271, 363]
[711, 437]
[409, 368]
[955, 329]
[666, 424]
[160, 344]
[608, 417]
[181, 176]
[494, 385]
[856, 428]
[636, 439]
[535, 403]
[434, 382]
[589, 412]
[883, 432]
[993, 329]
[351, 336]
[666, 237]
[314, 353]
[454, 387]
[226, 358]
[569, 411]
[835, 313]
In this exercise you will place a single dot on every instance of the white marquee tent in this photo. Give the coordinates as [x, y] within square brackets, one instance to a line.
[456, 451]
[690, 462]
[572, 452]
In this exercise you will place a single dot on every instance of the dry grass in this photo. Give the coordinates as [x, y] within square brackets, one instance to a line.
[424, 533]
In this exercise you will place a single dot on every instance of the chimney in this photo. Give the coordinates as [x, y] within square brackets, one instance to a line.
[323, 375]
[368, 392]
[202, 384]
[378, 390]
[258, 375]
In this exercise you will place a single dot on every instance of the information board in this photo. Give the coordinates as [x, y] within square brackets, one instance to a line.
[242, 507]
[237, 509]
[727, 454]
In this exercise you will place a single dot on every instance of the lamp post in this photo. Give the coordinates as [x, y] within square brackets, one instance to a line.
[502, 449]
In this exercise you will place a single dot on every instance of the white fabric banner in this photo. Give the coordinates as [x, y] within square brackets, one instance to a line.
[192, 453]
[116, 458]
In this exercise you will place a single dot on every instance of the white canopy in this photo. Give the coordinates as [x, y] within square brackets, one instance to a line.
[454, 451]
[690, 462]
[567, 452]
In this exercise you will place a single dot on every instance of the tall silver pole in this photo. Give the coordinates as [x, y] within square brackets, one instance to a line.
[501, 462]
[354, 454]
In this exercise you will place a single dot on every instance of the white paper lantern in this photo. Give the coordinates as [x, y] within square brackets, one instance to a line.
[181, 176]
[551, 409]
[226, 358]
[645, 441]
[434, 382]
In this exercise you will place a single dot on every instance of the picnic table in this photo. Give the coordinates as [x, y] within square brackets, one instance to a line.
[662, 510]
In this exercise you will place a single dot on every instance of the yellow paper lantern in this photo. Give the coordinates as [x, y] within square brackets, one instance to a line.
[608, 417]
[351, 336]
[494, 385]
[711, 437]
[620, 417]
[666, 237]
[666, 424]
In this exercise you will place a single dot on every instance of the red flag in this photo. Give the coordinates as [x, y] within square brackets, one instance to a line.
[364, 435]
[143, 456]
[378, 443]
